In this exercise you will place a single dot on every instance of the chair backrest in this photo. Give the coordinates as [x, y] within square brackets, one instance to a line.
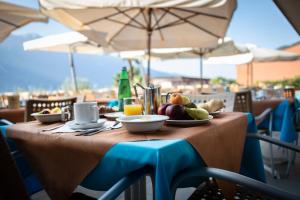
[289, 92]
[243, 102]
[36, 105]
[11, 183]
[227, 97]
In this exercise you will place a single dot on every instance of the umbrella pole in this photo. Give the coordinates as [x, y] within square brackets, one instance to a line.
[149, 34]
[201, 72]
[73, 72]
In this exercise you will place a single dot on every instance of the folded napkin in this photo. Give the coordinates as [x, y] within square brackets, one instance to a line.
[67, 129]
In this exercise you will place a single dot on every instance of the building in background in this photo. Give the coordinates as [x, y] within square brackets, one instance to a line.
[271, 71]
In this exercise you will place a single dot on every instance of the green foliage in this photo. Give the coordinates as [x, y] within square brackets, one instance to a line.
[134, 75]
[221, 81]
[285, 82]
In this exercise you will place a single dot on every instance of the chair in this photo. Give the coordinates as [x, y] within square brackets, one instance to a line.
[246, 188]
[227, 97]
[13, 186]
[11, 183]
[243, 103]
[36, 105]
[289, 92]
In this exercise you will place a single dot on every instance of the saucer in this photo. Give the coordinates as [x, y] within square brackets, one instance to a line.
[74, 125]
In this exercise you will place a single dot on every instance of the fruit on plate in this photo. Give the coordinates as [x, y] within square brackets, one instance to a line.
[212, 105]
[162, 109]
[180, 99]
[45, 111]
[185, 100]
[55, 110]
[176, 98]
[197, 113]
[175, 112]
[190, 105]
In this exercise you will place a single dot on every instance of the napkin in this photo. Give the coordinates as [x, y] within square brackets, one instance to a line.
[66, 128]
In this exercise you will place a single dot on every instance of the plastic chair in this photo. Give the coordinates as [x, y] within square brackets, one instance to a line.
[37, 105]
[248, 188]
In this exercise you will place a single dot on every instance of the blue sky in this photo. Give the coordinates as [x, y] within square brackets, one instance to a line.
[255, 21]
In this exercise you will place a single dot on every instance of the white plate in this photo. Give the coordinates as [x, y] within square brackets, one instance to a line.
[216, 113]
[189, 122]
[114, 115]
[47, 118]
[143, 123]
[74, 125]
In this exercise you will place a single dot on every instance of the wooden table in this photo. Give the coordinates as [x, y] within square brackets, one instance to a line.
[13, 115]
[63, 160]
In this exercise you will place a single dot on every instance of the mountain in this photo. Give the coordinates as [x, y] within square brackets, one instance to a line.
[45, 70]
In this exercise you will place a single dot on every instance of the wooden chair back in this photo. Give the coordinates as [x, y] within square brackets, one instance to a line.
[289, 92]
[37, 105]
[227, 97]
[243, 102]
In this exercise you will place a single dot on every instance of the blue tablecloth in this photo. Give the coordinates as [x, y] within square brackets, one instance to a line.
[167, 157]
[283, 121]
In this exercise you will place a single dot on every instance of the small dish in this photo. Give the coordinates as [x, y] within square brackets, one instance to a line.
[189, 122]
[74, 125]
[113, 115]
[47, 118]
[143, 123]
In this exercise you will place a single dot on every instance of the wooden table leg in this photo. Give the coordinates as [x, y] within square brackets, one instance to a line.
[137, 191]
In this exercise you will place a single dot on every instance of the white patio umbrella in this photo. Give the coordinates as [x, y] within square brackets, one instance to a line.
[290, 9]
[226, 47]
[139, 25]
[256, 54]
[13, 16]
[71, 42]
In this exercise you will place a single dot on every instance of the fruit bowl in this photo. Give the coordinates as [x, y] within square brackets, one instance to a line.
[143, 123]
[47, 118]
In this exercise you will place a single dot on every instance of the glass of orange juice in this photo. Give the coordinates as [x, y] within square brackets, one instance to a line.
[133, 106]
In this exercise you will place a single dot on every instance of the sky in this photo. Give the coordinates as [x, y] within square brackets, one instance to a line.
[255, 21]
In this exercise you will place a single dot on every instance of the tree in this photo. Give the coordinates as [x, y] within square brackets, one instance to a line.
[134, 74]
[221, 81]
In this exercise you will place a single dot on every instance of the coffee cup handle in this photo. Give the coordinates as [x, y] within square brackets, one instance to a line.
[96, 113]
[65, 111]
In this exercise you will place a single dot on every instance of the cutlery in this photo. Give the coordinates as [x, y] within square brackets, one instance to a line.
[53, 128]
[116, 125]
[90, 131]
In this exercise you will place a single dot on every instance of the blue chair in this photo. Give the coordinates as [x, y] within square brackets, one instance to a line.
[246, 185]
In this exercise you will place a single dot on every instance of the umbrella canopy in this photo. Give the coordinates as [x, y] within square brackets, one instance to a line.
[256, 54]
[290, 9]
[13, 16]
[69, 42]
[139, 25]
[225, 48]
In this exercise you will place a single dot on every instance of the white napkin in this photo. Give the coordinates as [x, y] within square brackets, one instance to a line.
[66, 128]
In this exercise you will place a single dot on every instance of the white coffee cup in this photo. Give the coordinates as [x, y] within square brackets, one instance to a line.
[86, 112]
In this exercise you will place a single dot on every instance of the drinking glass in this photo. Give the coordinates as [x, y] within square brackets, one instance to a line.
[132, 106]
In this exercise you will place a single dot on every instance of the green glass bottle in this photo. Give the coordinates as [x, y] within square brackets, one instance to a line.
[124, 88]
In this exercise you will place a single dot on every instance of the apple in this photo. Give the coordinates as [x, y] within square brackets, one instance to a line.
[162, 109]
[175, 111]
